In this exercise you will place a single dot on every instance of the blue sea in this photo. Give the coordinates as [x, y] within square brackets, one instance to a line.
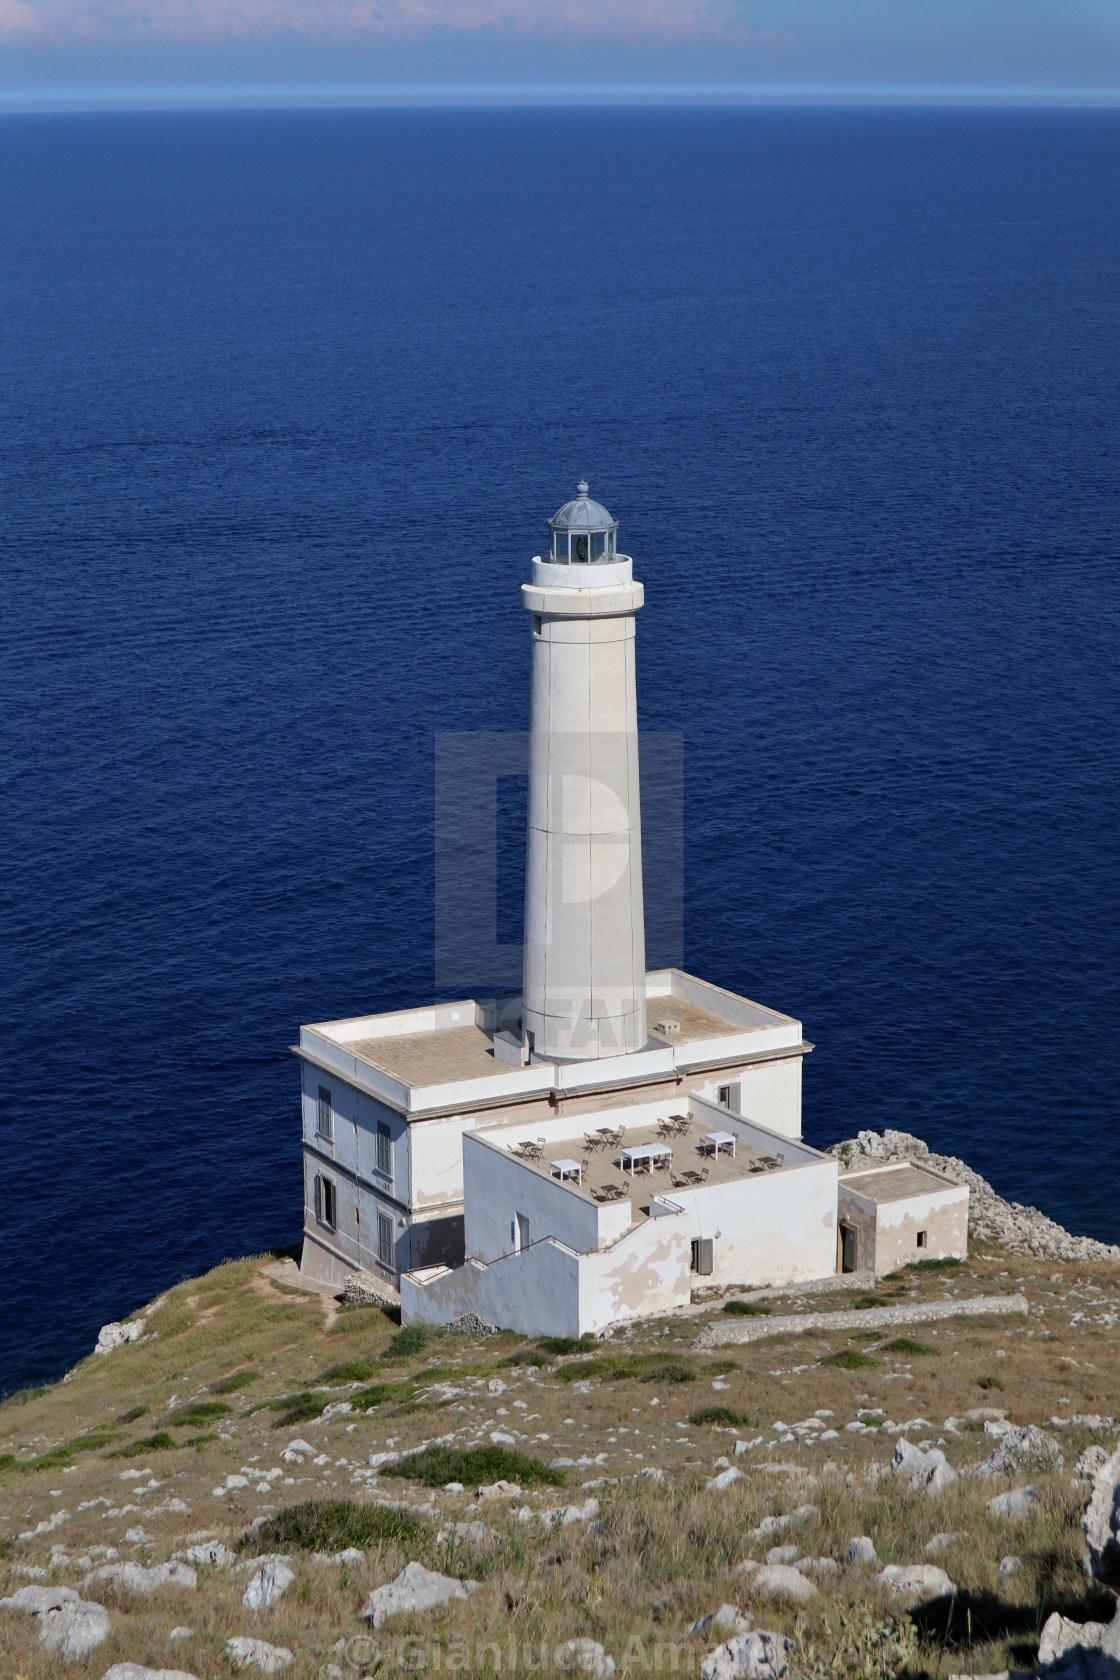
[285, 400]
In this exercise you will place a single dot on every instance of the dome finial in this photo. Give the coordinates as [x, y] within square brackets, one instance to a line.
[581, 487]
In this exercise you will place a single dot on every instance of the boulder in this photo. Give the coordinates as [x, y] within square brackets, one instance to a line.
[137, 1671]
[727, 1619]
[585, 1654]
[1060, 1635]
[861, 1549]
[1014, 1505]
[1101, 1522]
[565, 1514]
[257, 1653]
[500, 1489]
[270, 1582]
[1029, 1448]
[930, 1471]
[178, 1633]
[749, 1656]
[1091, 1460]
[780, 1582]
[74, 1630]
[213, 1553]
[819, 1566]
[472, 1534]
[115, 1335]
[916, 1583]
[136, 1578]
[725, 1479]
[783, 1554]
[415, 1588]
[775, 1525]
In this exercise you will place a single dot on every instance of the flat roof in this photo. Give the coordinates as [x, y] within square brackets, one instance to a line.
[896, 1183]
[438, 1056]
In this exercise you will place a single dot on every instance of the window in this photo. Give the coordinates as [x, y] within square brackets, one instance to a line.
[729, 1097]
[385, 1239]
[579, 549]
[560, 547]
[537, 622]
[523, 1232]
[325, 1123]
[923, 1239]
[326, 1201]
[384, 1149]
[701, 1260]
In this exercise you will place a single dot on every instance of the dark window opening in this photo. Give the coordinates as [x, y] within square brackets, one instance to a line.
[326, 1202]
[702, 1262]
[385, 1239]
[384, 1149]
[923, 1239]
[847, 1248]
[325, 1122]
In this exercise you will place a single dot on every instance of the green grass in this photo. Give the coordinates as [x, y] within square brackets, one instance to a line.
[21, 1396]
[367, 1398]
[161, 1441]
[58, 1458]
[294, 1408]
[239, 1379]
[907, 1345]
[330, 1525]
[353, 1370]
[989, 1382]
[746, 1309]
[850, 1359]
[866, 1301]
[721, 1414]
[131, 1415]
[474, 1466]
[199, 1440]
[933, 1265]
[198, 1413]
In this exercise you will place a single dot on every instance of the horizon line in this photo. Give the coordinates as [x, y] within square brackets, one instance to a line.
[294, 95]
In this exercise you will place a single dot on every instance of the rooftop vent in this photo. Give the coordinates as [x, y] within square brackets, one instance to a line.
[667, 1027]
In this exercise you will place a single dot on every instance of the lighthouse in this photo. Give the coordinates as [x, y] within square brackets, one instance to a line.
[584, 988]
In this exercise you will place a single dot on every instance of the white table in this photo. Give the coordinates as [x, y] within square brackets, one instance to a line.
[727, 1139]
[644, 1152]
[566, 1167]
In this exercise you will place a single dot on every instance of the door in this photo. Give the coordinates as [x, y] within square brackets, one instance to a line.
[523, 1237]
[847, 1248]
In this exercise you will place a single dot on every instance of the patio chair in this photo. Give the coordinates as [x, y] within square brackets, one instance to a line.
[701, 1178]
[593, 1140]
[691, 1177]
[666, 1129]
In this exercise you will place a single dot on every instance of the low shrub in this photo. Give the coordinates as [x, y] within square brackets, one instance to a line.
[58, 1458]
[239, 1379]
[866, 1301]
[907, 1345]
[620, 1368]
[93, 1440]
[566, 1344]
[367, 1398]
[353, 1370]
[407, 1343]
[132, 1414]
[475, 1466]
[934, 1265]
[329, 1525]
[161, 1441]
[199, 1412]
[989, 1382]
[850, 1359]
[746, 1309]
[720, 1414]
[293, 1408]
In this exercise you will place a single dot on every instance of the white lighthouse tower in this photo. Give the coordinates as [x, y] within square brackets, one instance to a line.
[584, 989]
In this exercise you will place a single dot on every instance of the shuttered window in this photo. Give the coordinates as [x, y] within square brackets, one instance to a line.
[326, 1202]
[385, 1239]
[384, 1149]
[325, 1125]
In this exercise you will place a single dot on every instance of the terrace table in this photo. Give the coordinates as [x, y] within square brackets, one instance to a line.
[565, 1167]
[648, 1152]
[727, 1139]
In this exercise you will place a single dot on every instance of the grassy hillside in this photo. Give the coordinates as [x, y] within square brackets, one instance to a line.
[237, 1364]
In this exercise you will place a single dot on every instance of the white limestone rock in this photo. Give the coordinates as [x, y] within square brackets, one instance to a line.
[587, 1655]
[135, 1578]
[1014, 1505]
[115, 1335]
[725, 1479]
[1029, 1448]
[270, 1583]
[861, 1549]
[257, 1653]
[1092, 1460]
[727, 1619]
[474, 1534]
[74, 1630]
[779, 1582]
[916, 1583]
[565, 1514]
[749, 1656]
[783, 1554]
[179, 1633]
[415, 1588]
[1060, 1635]
[1008, 1565]
[212, 1553]
[1101, 1522]
[929, 1471]
[775, 1525]
[137, 1671]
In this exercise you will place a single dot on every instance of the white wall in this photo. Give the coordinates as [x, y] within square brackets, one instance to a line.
[770, 1093]
[497, 1188]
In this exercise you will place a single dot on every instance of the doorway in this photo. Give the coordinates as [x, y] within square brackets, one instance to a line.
[523, 1238]
[849, 1248]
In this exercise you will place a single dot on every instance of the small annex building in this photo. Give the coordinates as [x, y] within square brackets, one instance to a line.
[587, 1151]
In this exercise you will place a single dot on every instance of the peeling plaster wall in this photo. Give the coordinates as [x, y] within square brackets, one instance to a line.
[535, 1293]
[888, 1231]
[859, 1213]
[646, 1273]
[437, 1160]
[771, 1228]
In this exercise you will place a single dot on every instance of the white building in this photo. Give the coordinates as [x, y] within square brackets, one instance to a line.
[579, 1154]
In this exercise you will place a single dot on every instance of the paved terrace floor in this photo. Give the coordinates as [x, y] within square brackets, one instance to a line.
[451, 1053]
[690, 1154]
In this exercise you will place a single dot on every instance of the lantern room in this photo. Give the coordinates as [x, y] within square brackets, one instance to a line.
[583, 532]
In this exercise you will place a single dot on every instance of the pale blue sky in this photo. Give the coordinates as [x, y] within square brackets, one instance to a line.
[153, 52]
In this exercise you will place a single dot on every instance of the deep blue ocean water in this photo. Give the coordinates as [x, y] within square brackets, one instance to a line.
[284, 402]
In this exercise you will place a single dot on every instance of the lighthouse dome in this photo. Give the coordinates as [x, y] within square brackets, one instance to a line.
[583, 532]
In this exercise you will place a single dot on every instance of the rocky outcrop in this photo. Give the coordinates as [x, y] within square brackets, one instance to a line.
[1029, 1448]
[415, 1588]
[587, 1655]
[916, 1583]
[111, 1336]
[749, 1656]
[1101, 1522]
[68, 1624]
[270, 1583]
[1018, 1228]
[929, 1471]
[257, 1653]
[136, 1578]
